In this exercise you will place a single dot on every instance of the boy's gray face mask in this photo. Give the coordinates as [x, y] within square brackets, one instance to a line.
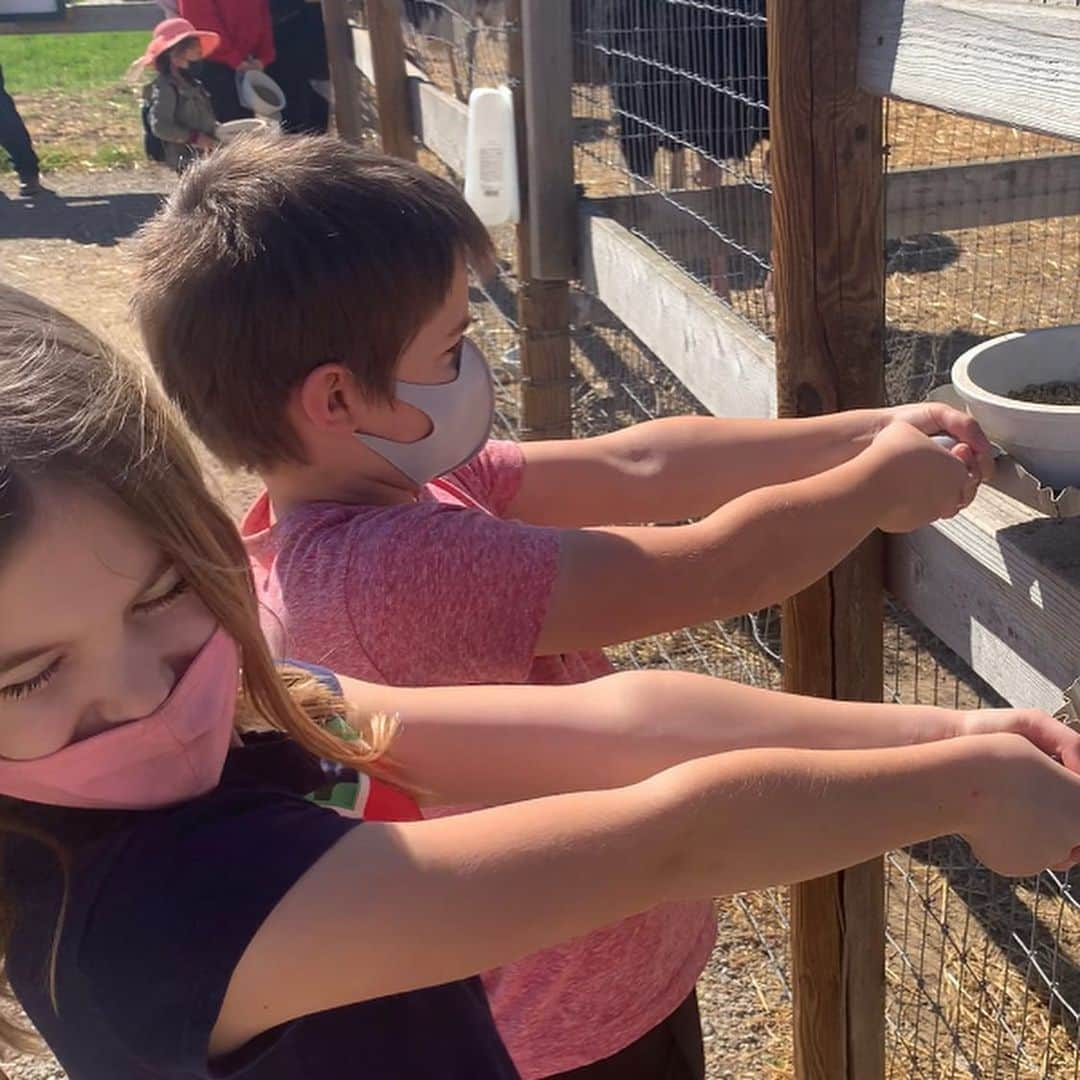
[460, 412]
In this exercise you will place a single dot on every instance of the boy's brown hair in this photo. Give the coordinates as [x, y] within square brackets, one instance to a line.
[276, 255]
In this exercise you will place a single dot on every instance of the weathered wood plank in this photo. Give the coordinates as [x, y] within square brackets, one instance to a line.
[391, 78]
[540, 62]
[548, 49]
[828, 212]
[1014, 63]
[342, 76]
[1000, 586]
[720, 359]
[439, 121]
[917, 201]
[951, 197]
[90, 18]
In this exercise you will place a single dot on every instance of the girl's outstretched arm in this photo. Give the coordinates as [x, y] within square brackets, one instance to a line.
[392, 907]
[497, 744]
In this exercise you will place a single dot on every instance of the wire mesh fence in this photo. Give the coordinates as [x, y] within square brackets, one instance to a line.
[982, 972]
[671, 107]
[670, 120]
[460, 44]
[948, 289]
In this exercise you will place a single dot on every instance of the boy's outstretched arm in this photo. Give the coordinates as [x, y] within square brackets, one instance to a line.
[621, 583]
[685, 467]
[498, 744]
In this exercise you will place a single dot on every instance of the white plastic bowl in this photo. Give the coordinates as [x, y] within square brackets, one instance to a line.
[259, 93]
[232, 129]
[1045, 439]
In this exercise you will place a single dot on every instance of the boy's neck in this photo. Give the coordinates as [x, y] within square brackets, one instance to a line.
[291, 486]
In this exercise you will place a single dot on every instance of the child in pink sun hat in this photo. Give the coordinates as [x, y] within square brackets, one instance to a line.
[177, 109]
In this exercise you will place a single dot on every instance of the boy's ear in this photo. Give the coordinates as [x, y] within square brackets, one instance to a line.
[329, 398]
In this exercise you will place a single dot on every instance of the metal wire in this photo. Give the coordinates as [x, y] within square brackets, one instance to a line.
[670, 116]
[671, 103]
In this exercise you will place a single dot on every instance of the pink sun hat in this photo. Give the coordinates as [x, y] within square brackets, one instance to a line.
[173, 31]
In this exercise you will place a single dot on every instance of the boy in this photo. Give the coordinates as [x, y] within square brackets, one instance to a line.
[306, 305]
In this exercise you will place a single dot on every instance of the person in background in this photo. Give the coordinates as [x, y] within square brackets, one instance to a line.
[246, 42]
[15, 139]
[181, 114]
[299, 58]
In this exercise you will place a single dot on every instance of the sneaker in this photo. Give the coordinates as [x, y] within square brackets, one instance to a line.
[30, 186]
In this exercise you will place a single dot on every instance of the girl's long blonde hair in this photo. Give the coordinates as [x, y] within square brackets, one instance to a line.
[73, 408]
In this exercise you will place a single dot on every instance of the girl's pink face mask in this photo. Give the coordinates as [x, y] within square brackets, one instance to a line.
[174, 754]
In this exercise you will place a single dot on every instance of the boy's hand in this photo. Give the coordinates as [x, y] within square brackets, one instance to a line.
[1051, 736]
[937, 418]
[919, 480]
[1024, 809]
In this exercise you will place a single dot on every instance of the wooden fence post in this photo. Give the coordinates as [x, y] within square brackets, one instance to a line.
[541, 68]
[828, 234]
[342, 70]
[391, 79]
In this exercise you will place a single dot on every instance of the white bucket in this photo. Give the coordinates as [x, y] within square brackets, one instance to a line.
[232, 129]
[259, 93]
[1045, 439]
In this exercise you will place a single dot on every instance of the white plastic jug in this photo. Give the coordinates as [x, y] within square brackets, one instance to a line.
[491, 172]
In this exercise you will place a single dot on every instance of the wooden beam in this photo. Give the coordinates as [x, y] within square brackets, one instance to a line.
[347, 122]
[828, 225]
[951, 197]
[539, 68]
[548, 50]
[90, 18]
[917, 201]
[1000, 585]
[725, 363]
[439, 121]
[1013, 63]
[391, 79]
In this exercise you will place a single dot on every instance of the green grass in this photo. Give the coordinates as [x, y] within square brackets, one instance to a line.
[55, 158]
[68, 62]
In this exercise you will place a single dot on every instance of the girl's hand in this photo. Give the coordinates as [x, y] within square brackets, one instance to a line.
[205, 142]
[1051, 736]
[1025, 809]
[250, 64]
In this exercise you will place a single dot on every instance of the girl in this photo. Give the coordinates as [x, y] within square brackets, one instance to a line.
[173, 905]
[178, 108]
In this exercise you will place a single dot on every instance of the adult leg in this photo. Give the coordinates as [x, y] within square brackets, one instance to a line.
[15, 139]
[220, 81]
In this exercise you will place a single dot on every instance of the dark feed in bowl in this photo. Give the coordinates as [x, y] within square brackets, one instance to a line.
[1048, 393]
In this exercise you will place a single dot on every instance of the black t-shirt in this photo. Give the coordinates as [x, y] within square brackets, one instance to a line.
[161, 907]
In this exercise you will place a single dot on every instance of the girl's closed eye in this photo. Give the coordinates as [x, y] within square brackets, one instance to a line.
[163, 600]
[19, 691]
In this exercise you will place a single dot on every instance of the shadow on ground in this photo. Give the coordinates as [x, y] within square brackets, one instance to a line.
[102, 220]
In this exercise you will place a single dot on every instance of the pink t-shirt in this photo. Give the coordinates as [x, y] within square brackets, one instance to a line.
[445, 591]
